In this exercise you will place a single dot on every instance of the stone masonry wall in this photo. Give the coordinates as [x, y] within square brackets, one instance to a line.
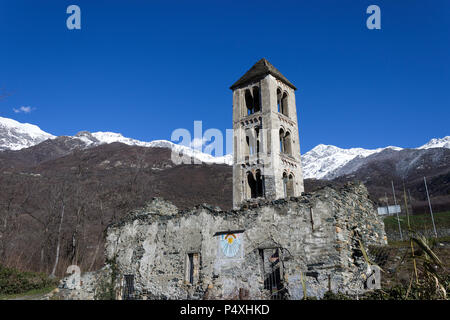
[317, 236]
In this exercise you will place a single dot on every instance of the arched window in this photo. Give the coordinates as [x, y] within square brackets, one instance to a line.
[249, 102]
[256, 100]
[287, 143]
[284, 105]
[251, 138]
[252, 100]
[255, 185]
[251, 190]
[279, 100]
[259, 184]
[247, 146]
[257, 140]
[281, 140]
[285, 181]
[290, 186]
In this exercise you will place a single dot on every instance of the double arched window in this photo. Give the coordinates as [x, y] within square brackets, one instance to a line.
[252, 100]
[253, 141]
[285, 142]
[288, 184]
[255, 185]
[282, 102]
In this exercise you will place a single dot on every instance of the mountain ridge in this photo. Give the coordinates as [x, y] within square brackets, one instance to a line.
[15, 135]
[322, 162]
[98, 177]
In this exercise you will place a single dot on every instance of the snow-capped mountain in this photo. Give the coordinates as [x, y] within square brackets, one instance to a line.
[437, 143]
[322, 160]
[329, 162]
[98, 138]
[15, 135]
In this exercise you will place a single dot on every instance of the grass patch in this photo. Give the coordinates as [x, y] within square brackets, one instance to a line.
[13, 281]
[33, 292]
[418, 222]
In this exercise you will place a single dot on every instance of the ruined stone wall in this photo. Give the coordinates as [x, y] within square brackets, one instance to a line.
[317, 235]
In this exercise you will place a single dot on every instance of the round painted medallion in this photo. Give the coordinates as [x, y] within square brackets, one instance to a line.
[230, 244]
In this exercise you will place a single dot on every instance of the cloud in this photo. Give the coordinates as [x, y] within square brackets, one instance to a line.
[23, 109]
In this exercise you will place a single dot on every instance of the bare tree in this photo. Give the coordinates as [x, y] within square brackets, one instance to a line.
[60, 200]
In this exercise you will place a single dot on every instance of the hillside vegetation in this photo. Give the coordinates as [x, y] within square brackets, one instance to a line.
[58, 199]
[15, 282]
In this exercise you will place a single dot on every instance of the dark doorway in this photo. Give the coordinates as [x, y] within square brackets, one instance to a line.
[273, 273]
[128, 290]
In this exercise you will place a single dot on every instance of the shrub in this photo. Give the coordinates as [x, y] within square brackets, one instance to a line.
[107, 283]
[13, 281]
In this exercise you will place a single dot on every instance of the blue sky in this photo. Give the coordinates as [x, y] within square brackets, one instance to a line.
[145, 68]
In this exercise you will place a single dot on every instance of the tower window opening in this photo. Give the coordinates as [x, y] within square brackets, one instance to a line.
[247, 146]
[252, 100]
[285, 182]
[252, 141]
[259, 184]
[255, 185]
[256, 100]
[285, 142]
[290, 186]
[249, 102]
[284, 105]
[279, 100]
[281, 140]
[250, 145]
[257, 140]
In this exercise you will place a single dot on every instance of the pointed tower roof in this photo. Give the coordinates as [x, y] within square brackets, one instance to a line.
[259, 71]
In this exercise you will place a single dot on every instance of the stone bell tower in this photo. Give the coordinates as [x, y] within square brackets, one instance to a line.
[266, 154]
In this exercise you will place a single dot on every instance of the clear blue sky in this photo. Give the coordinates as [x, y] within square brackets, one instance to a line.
[145, 68]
